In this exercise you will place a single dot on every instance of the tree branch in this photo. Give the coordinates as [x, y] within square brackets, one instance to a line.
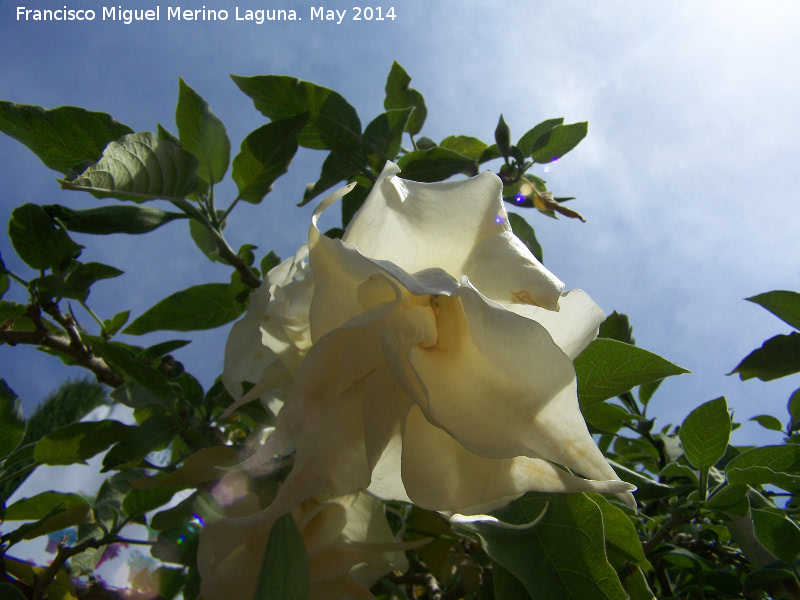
[64, 345]
[225, 251]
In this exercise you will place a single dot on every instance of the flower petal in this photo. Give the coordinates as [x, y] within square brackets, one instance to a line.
[385, 408]
[248, 351]
[245, 356]
[506, 405]
[458, 226]
[573, 326]
[229, 557]
[331, 456]
[440, 474]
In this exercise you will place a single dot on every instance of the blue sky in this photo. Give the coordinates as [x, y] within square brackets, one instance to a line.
[687, 179]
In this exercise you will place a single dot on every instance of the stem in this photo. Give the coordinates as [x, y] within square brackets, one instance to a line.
[650, 545]
[59, 343]
[230, 208]
[211, 210]
[248, 277]
[703, 484]
[120, 540]
[15, 277]
[659, 536]
[19, 472]
[67, 323]
[370, 175]
[62, 556]
[93, 315]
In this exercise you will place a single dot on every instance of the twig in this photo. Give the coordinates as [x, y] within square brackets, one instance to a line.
[62, 344]
[225, 251]
[660, 535]
[62, 556]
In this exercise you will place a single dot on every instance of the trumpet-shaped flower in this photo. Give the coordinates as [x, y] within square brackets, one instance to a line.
[440, 362]
[347, 538]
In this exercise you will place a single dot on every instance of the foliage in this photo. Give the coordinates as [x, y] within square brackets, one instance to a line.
[714, 520]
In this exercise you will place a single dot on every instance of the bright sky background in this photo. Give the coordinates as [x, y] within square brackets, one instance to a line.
[688, 178]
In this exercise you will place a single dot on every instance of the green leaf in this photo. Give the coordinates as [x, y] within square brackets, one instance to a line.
[778, 356]
[558, 141]
[284, 573]
[139, 167]
[647, 390]
[793, 406]
[617, 327]
[492, 153]
[338, 166]
[436, 164]
[139, 502]
[115, 323]
[9, 592]
[783, 304]
[60, 517]
[126, 364]
[4, 282]
[705, 433]
[11, 310]
[135, 396]
[525, 233]
[506, 586]
[177, 515]
[400, 95]
[37, 240]
[75, 281]
[108, 502]
[62, 137]
[768, 422]
[78, 442]
[502, 137]
[425, 143]
[606, 417]
[202, 133]
[245, 252]
[137, 442]
[526, 142]
[355, 199]
[383, 135]
[779, 535]
[40, 505]
[761, 579]
[204, 239]
[203, 306]
[165, 134]
[116, 218]
[637, 587]
[332, 123]
[12, 421]
[158, 350]
[607, 368]
[207, 464]
[566, 546]
[622, 541]
[265, 155]
[730, 499]
[776, 465]
[81, 277]
[471, 147]
[269, 262]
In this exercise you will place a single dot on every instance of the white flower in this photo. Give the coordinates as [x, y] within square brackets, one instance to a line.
[265, 348]
[440, 369]
[347, 538]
